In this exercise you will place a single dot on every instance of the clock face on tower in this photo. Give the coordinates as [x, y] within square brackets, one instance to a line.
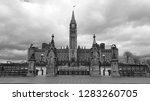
[73, 25]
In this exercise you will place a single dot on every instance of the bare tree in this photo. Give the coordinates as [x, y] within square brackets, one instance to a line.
[136, 59]
[127, 55]
[130, 58]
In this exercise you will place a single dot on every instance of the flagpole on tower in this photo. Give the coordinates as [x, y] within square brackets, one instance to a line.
[74, 7]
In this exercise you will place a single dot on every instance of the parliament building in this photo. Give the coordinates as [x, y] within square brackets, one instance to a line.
[74, 60]
[73, 54]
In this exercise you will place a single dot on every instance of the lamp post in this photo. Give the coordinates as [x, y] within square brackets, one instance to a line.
[42, 55]
[104, 64]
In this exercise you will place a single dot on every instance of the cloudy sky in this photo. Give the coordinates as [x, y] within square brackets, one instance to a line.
[125, 23]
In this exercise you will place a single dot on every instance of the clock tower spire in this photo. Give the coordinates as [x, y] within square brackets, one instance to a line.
[73, 21]
[73, 39]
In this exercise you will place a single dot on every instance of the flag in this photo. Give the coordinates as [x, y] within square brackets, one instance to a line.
[26, 0]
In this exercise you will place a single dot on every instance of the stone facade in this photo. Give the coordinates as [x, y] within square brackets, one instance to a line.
[72, 53]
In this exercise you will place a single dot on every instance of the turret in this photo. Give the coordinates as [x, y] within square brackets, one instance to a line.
[102, 46]
[94, 42]
[52, 43]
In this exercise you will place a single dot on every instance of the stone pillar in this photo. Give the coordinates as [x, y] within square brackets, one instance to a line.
[51, 69]
[31, 66]
[114, 68]
[114, 62]
[95, 67]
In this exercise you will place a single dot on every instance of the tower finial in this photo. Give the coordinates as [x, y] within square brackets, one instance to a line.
[94, 40]
[74, 7]
[52, 41]
[52, 36]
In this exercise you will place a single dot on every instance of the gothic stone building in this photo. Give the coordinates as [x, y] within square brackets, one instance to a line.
[74, 54]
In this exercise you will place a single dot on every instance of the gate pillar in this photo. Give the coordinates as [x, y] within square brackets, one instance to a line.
[31, 66]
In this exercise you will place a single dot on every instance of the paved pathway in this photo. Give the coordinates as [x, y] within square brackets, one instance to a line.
[70, 79]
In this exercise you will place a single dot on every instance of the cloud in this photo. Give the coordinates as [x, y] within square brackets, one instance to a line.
[124, 22]
[120, 22]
